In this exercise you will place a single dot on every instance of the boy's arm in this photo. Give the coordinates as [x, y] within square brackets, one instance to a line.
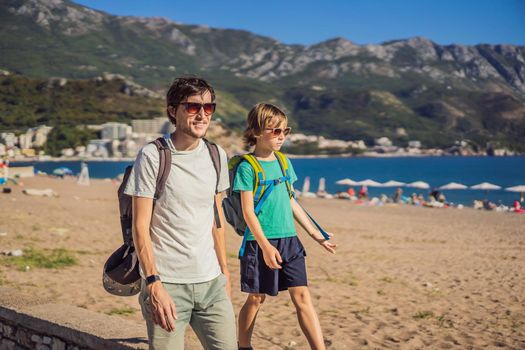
[162, 306]
[303, 220]
[220, 242]
[271, 255]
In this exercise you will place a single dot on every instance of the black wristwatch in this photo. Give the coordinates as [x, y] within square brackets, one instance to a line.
[152, 278]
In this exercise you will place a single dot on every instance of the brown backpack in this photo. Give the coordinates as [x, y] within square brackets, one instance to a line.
[121, 271]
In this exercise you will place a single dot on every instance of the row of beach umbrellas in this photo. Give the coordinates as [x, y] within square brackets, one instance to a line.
[486, 186]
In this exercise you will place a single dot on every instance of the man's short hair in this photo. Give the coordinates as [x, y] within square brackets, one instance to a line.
[184, 87]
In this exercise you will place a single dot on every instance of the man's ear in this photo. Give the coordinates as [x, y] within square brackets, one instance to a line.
[172, 111]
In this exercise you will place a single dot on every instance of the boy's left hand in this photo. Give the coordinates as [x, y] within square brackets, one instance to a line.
[329, 246]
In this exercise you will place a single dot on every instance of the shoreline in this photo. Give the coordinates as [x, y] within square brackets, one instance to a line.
[291, 156]
[72, 159]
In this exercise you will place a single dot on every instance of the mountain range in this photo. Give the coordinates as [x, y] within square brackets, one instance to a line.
[411, 89]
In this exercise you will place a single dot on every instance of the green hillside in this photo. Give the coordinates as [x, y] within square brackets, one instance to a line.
[437, 94]
[27, 102]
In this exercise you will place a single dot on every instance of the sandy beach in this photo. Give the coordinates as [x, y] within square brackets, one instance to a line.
[403, 277]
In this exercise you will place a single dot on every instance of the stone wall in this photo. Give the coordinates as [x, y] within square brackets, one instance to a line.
[29, 324]
[15, 337]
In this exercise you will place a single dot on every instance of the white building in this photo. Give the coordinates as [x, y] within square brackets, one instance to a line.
[25, 141]
[40, 135]
[328, 143]
[98, 148]
[414, 144]
[360, 144]
[383, 142]
[8, 139]
[159, 125]
[129, 148]
[295, 137]
[115, 131]
[115, 148]
[68, 152]
[80, 151]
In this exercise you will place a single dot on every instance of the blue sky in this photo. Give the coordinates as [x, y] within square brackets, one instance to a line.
[366, 21]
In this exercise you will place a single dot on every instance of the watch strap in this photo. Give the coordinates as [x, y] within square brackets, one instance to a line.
[152, 278]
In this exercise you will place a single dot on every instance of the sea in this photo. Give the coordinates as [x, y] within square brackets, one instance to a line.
[436, 171]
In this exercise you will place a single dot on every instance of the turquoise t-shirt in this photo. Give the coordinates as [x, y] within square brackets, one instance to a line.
[276, 216]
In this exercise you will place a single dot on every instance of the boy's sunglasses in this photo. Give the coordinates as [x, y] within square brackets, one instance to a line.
[278, 131]
[194, 108]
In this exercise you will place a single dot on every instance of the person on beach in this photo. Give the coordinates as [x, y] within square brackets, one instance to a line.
[180, 247]
[363, 193]
[414, 200]
[273, 258]
[398, 195]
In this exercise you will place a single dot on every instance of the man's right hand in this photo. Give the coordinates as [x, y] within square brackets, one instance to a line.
[163, 309]
[272, 258]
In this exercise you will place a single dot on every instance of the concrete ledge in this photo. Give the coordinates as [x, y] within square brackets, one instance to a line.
[29, 323]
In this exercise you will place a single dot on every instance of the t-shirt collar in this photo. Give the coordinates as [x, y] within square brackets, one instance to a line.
[174, 150]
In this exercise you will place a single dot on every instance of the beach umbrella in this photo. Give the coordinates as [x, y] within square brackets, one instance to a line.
[306, 189]
[393, 183]
[453, 186]
[322, 185]
[519, 188]
[306, 185]
[419, 184]
[347, 182]
[487, 186]
[61, 171]
[369, 183]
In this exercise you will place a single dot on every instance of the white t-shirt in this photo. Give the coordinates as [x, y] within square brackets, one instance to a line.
[181, 224]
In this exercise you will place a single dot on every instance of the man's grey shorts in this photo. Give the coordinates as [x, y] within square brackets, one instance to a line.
[204, 306]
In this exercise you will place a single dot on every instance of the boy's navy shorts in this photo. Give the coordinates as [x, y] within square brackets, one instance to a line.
[257, 277]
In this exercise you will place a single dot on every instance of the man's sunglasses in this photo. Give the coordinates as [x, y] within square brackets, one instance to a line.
[278, 131]
[194, 108]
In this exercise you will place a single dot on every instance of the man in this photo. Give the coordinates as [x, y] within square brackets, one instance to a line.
[181, 251]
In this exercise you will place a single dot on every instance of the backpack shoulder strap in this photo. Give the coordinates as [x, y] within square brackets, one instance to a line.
[164, 165]
[213, 149]
[285, 168]
[216, 160]
[233, 164]
[260, 178]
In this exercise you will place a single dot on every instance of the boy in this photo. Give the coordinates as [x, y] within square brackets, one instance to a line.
[273, 259]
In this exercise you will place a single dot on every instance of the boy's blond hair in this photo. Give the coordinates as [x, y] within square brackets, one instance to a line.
[260, 117]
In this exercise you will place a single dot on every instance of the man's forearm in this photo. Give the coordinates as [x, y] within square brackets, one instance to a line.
[144, 250]
[220, 248]
[142, 209]
[219, 236]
